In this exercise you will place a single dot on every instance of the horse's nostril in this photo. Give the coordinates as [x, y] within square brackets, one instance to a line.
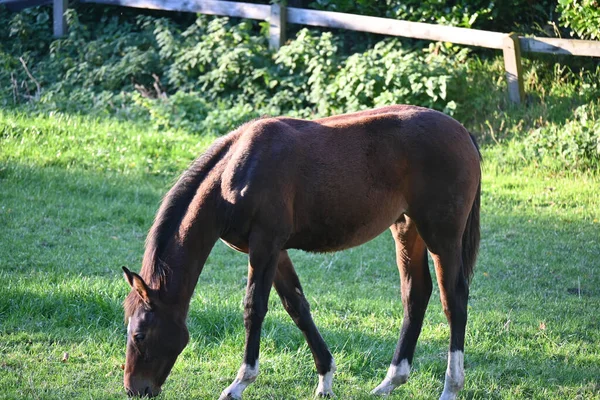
[146, 392]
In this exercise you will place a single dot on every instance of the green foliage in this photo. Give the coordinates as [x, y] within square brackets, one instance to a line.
[190, 113]
[575, 144]
[501, 16]
[582, 16]
[26, 32]
[212, 55]
[388, 74]
[89, 69]
[113, 60]
[228, 63]
[304, 68]
[177, 76]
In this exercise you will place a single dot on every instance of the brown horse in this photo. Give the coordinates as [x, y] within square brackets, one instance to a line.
[324, 185]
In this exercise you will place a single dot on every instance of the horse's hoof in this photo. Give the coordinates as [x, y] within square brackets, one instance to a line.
[384, 389]
[448, 396]
[228, 396]
[325, 393]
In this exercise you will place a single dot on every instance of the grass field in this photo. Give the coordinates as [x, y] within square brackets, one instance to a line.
[77, 197]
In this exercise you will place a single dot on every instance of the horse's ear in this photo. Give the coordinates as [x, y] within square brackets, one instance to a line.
[136, 282]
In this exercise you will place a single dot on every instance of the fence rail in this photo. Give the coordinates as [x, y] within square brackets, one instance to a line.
[278, 16]
[227, 8]
[393, 27]
[590, 48]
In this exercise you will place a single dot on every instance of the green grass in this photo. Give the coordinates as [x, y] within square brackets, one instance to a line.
[77, 197]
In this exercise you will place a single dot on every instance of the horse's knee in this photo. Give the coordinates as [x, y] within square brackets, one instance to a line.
[254, 316]
[417, 296]
[299, 310]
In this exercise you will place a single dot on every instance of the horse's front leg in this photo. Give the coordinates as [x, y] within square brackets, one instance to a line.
[261, 271]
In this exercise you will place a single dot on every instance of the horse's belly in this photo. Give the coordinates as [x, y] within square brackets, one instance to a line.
[334, 229]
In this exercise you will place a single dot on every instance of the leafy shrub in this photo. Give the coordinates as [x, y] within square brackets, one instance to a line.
[582, 16]
[26, 31]
[213, 62]
[190, 112]
[575, 144]
[115, 60]
[302, 71]
[389, 74]
[312, 75]
[212, 55]
[225, 63]
[85, 64]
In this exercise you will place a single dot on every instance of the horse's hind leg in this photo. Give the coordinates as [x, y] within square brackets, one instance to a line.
[454, 294]
[416, 286]
[290, 291]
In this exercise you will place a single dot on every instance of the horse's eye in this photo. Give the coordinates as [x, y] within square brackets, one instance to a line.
[138, 337]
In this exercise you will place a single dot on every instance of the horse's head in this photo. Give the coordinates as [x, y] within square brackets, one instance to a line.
[156, 334]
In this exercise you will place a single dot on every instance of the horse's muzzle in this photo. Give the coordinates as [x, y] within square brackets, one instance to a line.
[144, 392]
[141, 388]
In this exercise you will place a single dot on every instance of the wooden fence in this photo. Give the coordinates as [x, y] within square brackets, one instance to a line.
[278, 16]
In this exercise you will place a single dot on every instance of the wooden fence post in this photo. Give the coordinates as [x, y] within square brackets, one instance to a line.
[60, 22]
[277, 23]
[512, 64]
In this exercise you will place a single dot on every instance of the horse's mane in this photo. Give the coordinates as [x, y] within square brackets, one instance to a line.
[173, 209]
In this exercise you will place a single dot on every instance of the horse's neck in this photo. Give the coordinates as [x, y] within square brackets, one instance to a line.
[192, 236]
[188, 252]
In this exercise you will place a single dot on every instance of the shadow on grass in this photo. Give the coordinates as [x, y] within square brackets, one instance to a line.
[364, 356]
[71, 312]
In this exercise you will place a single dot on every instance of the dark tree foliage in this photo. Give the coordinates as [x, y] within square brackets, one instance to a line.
[503, 16]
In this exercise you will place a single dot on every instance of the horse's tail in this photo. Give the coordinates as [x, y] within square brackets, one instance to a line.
[471, 235]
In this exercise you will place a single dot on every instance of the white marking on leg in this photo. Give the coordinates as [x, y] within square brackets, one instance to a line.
[455, 375]
[396, 376]
[326, 382]
[246, 375]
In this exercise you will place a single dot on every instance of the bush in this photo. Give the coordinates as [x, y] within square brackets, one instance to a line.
[389, 74]
[212, 55]
[582, 16]
[189, 112]
[175, 75]
[219, 65]
[86, 65]
[575, 144]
